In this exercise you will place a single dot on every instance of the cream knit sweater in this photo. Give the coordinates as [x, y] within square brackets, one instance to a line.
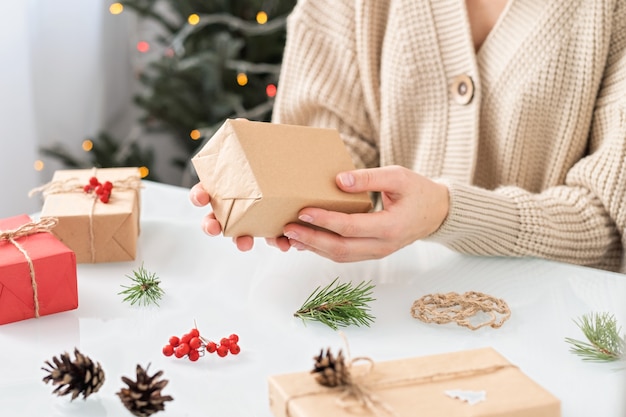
[535, 162]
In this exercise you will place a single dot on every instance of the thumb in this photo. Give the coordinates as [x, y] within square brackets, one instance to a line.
[371, 180]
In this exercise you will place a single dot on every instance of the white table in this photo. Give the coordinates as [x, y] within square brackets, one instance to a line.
[255, 294]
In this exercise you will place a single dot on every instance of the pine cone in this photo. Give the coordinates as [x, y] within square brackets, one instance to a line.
[79, 377]
[331, 371]
[143, 398]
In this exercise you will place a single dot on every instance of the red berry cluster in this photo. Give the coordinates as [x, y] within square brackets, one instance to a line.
[193, 346]
[103, 191]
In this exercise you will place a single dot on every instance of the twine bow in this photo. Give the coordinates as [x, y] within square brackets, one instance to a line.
[43, 225]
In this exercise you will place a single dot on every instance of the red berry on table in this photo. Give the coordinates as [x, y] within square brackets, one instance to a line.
[225, 342]
[104, 198]
[233, 338]
[194, 355]
[178, 352]
[87, 188]
[174, 341]
[107, 186]
[195, 343]
[168, 350]
[211, 347]
[94, 181]
[222, 351]
[234, 348]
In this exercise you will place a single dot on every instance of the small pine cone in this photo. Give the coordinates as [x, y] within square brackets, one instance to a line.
[82, 376]
[331, 371]
[143, 398]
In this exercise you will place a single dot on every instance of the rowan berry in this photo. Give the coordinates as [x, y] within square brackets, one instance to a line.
[233, 338]
[186, 338]
[104, 198]
[211, 347]
[195, 343]
[194, 332]
[107, 186]
[222, 351]
[87, 188]
[94, 181]
[194, 355]
[225, 342]
[168, 350]
[184, 348]
[174, 341]
[178, 352]
[234, 348]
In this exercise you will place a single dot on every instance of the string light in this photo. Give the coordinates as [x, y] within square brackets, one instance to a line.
[270, 90]
[116, 8]
[195, 134]
[261, 18]
[87, 145]
[242, 79]
[193, 19]
[143, 46]
[143, 172]
[38, 165]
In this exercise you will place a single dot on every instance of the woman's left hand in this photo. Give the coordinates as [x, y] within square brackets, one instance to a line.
[413, 208]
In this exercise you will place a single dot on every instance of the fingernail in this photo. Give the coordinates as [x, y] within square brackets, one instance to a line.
[297, 245]
[305, 218]
[291, 235]
[346, 179]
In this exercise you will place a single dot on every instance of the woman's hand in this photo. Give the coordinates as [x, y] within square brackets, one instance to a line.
[200, 198]
[413, 208]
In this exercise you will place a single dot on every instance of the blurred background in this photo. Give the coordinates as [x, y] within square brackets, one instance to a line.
[143, 83]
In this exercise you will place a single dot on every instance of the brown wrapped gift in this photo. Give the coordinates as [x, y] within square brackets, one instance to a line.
[260, 175]
[95, 231]
[418, 386]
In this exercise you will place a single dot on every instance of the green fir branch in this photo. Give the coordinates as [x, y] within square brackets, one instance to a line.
[339, 305]
[145, 289]
[605, 340]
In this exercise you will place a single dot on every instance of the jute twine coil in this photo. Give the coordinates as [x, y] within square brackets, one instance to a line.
[41, 226]
[460, 308]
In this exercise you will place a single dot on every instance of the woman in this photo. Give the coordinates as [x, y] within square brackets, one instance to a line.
[492, 127]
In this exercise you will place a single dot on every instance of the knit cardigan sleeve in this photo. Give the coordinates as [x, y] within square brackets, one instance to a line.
[582, 221]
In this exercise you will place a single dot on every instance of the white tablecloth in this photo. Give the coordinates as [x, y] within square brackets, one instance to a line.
[208, 282]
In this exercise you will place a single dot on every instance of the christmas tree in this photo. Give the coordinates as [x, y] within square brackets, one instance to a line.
[220, 59]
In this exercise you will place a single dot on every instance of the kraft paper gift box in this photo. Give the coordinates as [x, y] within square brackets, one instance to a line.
[433, 386]
[260, 175]
[96, 231]
[37, 271]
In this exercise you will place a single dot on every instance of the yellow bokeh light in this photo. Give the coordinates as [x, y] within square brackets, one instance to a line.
[193, 19]
[144, 171]
[38, 165]
[242, 79]
[87, 145]
[116, 8]
[195, 134]
[261, 18]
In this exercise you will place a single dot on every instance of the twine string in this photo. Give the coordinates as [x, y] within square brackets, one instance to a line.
[460, 308]
[43, 225]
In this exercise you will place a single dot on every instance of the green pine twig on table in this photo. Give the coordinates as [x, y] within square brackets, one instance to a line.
[605, 340]
[145, 289]
[339, 305]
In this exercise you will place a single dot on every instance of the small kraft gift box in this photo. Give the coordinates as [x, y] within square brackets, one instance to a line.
[260, 175]
[477, 383]
[98, 212]
[37, 271]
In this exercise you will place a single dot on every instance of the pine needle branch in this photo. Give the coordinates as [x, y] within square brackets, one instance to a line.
[339, 305]
[145, 289]
[605, 340]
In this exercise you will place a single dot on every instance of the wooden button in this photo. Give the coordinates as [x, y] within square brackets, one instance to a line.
[462, 89]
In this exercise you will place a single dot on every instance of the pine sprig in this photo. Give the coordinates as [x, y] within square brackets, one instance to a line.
[339, 305]
[605, 340]
[145, 289]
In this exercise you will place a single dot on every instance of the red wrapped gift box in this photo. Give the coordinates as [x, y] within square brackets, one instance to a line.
[50, 287]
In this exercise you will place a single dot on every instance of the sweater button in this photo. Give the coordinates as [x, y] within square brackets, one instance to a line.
[462, 89]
